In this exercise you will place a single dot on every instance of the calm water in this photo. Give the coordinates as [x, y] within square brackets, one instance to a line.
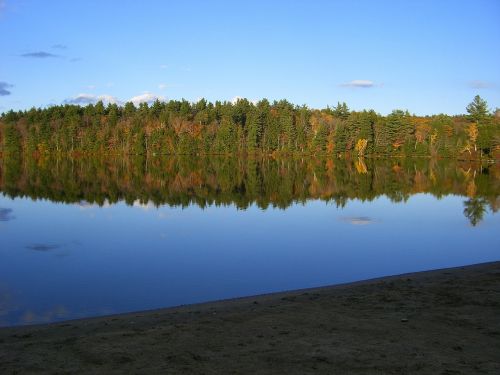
[81, 238]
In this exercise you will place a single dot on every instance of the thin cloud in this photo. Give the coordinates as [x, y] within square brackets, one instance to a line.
[81, 99]
[60, 46]
[359, 83]
[476, 84]
[39, 55]
[163, 66]
[3, 88]
[162, 86]
[84, 99]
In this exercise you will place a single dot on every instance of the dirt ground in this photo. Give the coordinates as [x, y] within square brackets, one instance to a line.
[436, 322]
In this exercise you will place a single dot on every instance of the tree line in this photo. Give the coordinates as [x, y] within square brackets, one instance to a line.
[242, 182]
[244, 127]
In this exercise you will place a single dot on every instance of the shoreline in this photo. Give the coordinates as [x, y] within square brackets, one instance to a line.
[251, 298]
[438, 321]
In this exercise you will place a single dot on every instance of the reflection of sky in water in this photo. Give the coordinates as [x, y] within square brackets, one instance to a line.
[360, 220]
[42, 247]
[67, 261]
[6, 214]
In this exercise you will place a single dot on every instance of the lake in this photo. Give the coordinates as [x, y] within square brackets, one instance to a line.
[82, 237]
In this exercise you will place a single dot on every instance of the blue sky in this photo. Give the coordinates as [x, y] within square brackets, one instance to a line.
[424, 56]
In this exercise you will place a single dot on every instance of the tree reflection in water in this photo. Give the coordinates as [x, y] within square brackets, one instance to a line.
[243, 181]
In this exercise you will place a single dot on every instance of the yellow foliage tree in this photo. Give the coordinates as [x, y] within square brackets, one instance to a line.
[434, 137]
[471, 189]
[361, 166]
[472, 132]
[361, 146]
[467, 148]
[421, 133]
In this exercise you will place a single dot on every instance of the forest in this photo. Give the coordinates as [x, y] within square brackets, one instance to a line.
[244, 127]
[245, 181]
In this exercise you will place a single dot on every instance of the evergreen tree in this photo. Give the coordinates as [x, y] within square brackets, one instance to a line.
[319, 142]
[341, 111]
[11, 139]
[129, 109]
[478, 109]
[287, 123]
[224, 127]
[255, 124]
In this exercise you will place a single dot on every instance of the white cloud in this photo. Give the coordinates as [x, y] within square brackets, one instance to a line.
[146, 97]
[235, 99]
[108, 99]
[162, 86]
[359, 83]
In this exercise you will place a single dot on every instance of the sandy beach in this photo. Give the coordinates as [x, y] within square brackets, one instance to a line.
[436, 322]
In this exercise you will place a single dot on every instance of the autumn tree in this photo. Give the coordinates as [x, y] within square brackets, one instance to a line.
[179, 126]
[472, 132]
[422, 133]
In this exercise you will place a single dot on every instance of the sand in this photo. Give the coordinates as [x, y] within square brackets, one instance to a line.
[435, 322]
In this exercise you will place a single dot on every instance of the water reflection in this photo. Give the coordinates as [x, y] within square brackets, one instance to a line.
[475, 208]
[42, 247]
[361, 220]
[204, 181]
[95, 236]
[6, 214]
